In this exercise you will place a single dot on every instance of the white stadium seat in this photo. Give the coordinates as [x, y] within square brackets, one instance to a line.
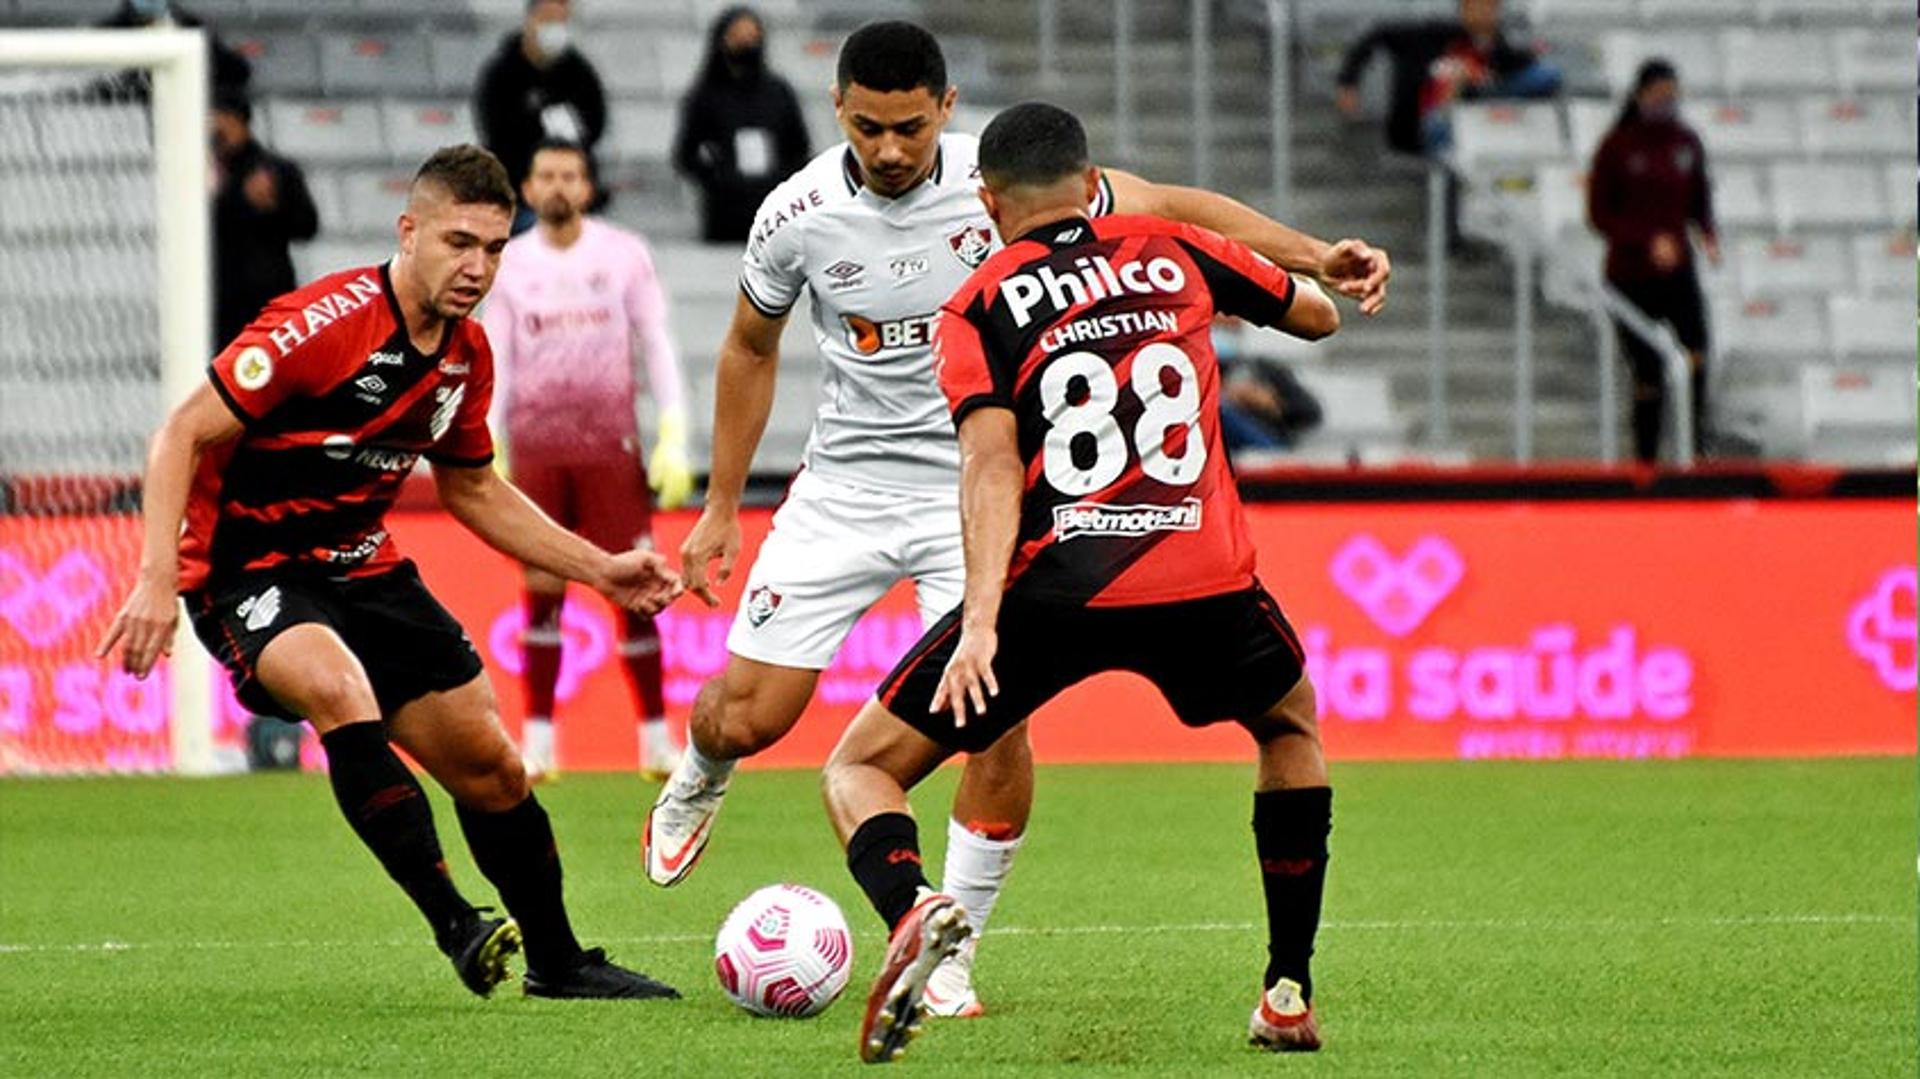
[640, 131]
[323, 131]
[456, 59]
[1696, 56]
[1878, 126]
[1820, 195]
[282, 63]
[1506, 133]
[1708, 12]
[1776, 59]
[1739, 200]
[325, 189]
[1769, 267]
[1871, 60]
[1588, 121]
[628, 63]
[1560, 193]
[1794, 329]
[1858, 412]
[375, 63]
[323, 257]
[372, 201]
[1746, 129]
[1903, 184]
[415, 129]
[680, 56]
[1872, 327]
[1884, 263]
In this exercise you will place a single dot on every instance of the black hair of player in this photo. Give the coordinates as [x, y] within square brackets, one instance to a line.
[1032, 144]
[891, 56]
[468, 174]
[564, 146]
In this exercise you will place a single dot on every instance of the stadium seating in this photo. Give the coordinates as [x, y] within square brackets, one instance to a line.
[1745, 129]
[1870, 60]
[1775, 60]
[1775, 267]
[1872, 327]
[415, 129]
[1765, 330]
[1807, 195]
[1858, 413]
[1507, 133]
[1863, 126]
[327, 132]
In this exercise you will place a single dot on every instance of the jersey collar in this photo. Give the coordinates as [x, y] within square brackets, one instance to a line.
[856, 180]
[1066, 232]
[400, 317]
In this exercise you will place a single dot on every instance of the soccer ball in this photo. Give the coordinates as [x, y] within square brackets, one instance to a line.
[785, 951]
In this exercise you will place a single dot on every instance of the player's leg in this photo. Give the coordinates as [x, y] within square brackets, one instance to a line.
[995, 796]
[456, 736]
[615, 508]
[825, 562]
[541, 643]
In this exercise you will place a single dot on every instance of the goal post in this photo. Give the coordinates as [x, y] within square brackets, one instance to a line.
[39, 70]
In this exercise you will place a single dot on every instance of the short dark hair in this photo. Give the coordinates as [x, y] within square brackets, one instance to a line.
[468, 174]
[234, 102]
[1032, 143]
[565, 146]
[890, 56]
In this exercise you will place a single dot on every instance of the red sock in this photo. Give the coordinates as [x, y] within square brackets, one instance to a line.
[540, 645]
[640, 651]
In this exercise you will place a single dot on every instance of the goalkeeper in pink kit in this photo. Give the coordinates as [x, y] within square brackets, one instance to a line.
[574, 301]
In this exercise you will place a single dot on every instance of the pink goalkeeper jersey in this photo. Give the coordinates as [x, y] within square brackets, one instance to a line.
[564, 325]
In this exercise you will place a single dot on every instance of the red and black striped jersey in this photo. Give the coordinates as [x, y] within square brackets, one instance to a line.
[337, 405]
[1096, 334]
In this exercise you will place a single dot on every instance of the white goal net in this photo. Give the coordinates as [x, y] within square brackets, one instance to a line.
[103, 324]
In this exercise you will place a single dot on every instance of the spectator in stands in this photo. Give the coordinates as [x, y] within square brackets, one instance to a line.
[535, 87]
[260, 205]
[1263, 406]
[1648, 185]
[741, 131]
[1439, 61]
[228, 71]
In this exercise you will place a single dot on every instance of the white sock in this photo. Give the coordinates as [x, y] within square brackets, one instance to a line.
[656, 741]
[716, 771]
[976, 870]
[536, 739]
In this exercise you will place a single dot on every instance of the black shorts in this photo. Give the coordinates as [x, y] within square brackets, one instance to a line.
[1225, 657]
[408, 643]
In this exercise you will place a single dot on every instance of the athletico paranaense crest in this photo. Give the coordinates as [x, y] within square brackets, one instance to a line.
[971, 245]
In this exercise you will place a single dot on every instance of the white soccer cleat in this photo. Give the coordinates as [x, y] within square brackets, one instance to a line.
[1283, 1021]
[680, 823]
[536, 752]
[950, 992]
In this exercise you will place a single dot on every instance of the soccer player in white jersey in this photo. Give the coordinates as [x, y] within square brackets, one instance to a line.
[573, 298]
[880, 231]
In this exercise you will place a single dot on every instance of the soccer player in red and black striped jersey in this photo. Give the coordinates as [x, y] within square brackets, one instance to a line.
[282, 469]
[1102, 532]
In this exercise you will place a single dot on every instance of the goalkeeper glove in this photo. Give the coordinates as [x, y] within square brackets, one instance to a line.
[669, 472]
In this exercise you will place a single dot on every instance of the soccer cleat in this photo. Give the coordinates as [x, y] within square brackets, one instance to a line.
[680, 824]
[593, 976]
[1283, 1021]
[479, 948]
[950, 992]
[930, 933]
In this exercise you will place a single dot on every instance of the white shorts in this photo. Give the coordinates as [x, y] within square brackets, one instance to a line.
[833, 551]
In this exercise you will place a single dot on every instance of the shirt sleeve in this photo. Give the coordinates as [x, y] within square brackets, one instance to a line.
[647, 314]
[1242, 282]
[254, 376]
[468, 443]
[967, 376]
[1103, 197]
[772, 272]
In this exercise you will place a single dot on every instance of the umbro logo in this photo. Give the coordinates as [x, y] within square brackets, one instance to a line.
[845, 274]
[260, 610]
[372, 384]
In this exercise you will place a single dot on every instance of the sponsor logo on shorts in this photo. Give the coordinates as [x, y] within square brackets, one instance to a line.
[1097, 519]
[971, 245]
[868, 337]
[359, 552]
[762, 604]
[260, 610]
[253, 368]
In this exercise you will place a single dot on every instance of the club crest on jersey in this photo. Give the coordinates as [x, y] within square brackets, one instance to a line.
[762, 602]
[868, 337]
[253, 369]
[449, 398]
[971, 245]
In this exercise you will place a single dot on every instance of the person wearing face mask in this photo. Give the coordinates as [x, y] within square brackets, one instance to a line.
[1647, 191]
[260, 204]
[227, 70]
[1438, 61]
[535, 87]
[740, 128]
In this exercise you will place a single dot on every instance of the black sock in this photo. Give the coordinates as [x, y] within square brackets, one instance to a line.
[515, 850]
[1290, 834]
[385, 805]
[884, 855]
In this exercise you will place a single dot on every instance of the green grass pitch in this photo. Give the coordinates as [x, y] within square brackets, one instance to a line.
[1692, 919]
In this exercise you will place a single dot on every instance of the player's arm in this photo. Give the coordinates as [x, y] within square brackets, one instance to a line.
[145, 625]
[992, 478]
[1246, 285]
[742, 401]
[1353, 268]
[495, 510]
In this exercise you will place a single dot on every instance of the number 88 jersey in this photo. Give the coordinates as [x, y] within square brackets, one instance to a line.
[1096, 335]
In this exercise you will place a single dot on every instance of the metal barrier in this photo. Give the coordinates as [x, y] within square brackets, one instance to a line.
[1659, 337]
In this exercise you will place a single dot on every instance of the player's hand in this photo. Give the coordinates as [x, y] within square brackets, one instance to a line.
[1359, 271]
[262, 190]
[640, 581]
[144, 627]
[1665, 252]
[715, 535]
[969, 676]
[669, 472]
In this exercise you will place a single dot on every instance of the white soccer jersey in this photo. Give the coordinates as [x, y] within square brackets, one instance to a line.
[878, 270]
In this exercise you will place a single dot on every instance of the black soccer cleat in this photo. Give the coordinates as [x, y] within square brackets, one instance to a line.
[480, 948]
[595, 977]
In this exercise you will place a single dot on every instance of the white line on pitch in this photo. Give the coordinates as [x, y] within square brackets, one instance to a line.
[111, 947]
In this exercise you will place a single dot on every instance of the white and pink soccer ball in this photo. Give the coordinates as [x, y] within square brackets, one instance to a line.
[785, 951]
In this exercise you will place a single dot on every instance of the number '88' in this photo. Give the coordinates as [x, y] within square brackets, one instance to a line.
[1094, 417]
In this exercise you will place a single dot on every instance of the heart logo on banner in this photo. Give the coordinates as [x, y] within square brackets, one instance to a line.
[1398, 593]
[43, 608]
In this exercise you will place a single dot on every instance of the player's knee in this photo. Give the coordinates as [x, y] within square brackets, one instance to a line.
[496, 781]
[1007, 759]
[733, 719]
[1296, 716]
[333, 699]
